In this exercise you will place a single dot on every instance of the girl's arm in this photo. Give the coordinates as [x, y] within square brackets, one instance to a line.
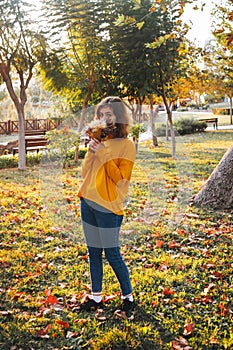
[120, 168]
[87, 163]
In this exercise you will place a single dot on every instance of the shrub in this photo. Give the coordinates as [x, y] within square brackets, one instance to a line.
[81, 153]
[183, 126]
[9, 161]
[136, 129]
[189, 126]
[161, 130]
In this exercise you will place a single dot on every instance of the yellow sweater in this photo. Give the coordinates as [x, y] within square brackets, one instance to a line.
[107, 174]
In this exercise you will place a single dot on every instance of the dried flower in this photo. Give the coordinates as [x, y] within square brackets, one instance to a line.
[100, 130]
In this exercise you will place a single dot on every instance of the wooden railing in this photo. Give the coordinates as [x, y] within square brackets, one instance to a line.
[12, 126]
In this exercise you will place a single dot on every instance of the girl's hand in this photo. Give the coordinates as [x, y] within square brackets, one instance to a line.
[95, 145]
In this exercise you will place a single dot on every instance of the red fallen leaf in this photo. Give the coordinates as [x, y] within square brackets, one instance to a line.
[83, 257]
[68, 199]
[159, 243]
[47, 292]
[224, 310]
[180, 231]
[45, 330]
[214, 340]
[63, 324]
[223, 297]
[18, 295]
[45, 265]
[51, 300]
[167, 291]
[206, 300]
[189, 328]
[173, 245]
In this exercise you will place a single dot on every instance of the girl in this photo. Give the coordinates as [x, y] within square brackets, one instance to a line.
[106, 171]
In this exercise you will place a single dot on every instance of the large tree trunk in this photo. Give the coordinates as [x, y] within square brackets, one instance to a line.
[217, 192]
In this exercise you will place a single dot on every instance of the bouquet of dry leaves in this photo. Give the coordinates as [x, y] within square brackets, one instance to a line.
[100, 130]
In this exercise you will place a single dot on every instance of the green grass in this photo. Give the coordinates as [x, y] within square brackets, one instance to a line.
[179, 256]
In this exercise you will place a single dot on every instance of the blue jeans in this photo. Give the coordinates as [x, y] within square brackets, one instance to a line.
[101, 229]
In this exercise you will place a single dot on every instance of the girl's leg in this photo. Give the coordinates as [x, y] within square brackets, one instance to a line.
[119, 267]
[96, 270]
[92, 237]
[109, 230]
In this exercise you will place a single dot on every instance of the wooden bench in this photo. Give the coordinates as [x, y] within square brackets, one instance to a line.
[35, 132]
[33, 143]
[213, 121]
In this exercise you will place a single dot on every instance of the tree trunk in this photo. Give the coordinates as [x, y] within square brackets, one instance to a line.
[172, 130]
[217, 192]
[170, 122]
[81, 121]
[22, 149]
[153, 115]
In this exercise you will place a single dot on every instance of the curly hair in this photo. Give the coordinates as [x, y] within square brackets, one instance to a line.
[123, 120]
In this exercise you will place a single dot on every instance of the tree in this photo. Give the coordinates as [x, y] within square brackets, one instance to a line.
[171, 58]
[164, 48]
[76, 68]
[224, 51]
[20, 49]
[217, 192]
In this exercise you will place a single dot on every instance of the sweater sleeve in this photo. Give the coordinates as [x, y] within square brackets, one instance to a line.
[88, 160]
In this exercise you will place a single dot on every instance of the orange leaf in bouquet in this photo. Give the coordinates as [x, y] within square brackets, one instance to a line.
[100, 130]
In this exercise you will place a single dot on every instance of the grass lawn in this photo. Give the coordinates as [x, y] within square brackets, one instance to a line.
[180, 257]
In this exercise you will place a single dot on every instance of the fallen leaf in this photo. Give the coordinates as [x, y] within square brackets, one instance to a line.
[188, 328]
[63, 324]
[51, 300]
[159, 243]
[167, 291]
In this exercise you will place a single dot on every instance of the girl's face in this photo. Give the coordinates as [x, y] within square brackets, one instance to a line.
[106, 114]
